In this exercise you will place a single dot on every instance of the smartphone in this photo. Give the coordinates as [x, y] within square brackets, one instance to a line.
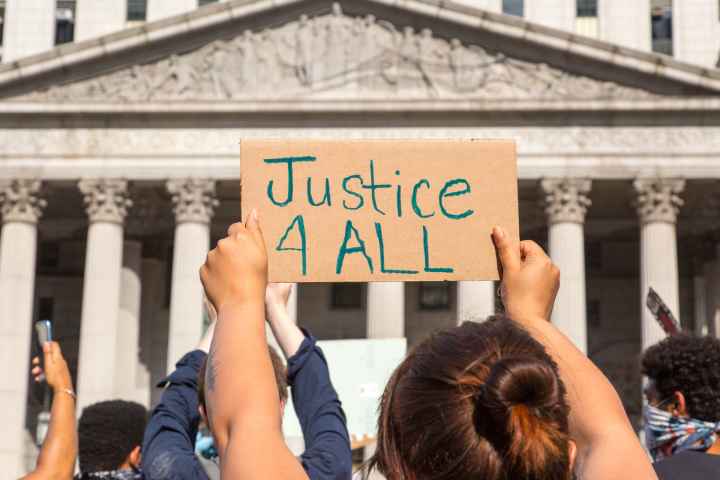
[44, 331]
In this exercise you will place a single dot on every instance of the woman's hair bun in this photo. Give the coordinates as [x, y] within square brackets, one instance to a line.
[523, 381]
[522, 394]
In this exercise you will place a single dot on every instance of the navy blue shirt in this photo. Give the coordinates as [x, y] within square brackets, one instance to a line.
[168, 450]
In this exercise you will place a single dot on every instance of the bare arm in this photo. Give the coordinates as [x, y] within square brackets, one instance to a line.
[242, 401]
[598, 422]
[286, 332]
[59, 450]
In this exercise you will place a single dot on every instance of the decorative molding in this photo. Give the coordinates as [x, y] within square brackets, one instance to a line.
[658, 199]
[20, 201]
[336, 56]
[566, 199]
[193, 199]
[106, 200]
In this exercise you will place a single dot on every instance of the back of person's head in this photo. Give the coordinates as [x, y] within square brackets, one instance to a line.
[108, 432]
[690, 366]
[482, 400]
[279, 370]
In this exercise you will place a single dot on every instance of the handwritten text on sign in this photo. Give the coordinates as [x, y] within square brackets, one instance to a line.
[380, 210]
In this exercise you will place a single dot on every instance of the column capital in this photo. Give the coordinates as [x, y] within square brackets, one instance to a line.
[193, 199]
[106, 199]
[566, 199]
[658, 199]
[21, 201]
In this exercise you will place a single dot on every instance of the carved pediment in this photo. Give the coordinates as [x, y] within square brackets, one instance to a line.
[335, 56]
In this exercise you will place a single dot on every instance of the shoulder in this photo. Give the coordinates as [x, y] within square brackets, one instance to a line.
[688, 465]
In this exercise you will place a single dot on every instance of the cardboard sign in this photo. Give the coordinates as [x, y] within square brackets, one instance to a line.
[380, 210]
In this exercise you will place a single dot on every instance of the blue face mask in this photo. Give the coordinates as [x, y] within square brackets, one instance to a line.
[667, 434]
[205, 446]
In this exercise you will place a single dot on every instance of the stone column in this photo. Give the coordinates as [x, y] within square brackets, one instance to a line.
[658, 203]
[475, 301]
[385, 310]
[194, 202]
[21, 210]
[712, 296]
[127, 363]
[566, 203]
[106, 202]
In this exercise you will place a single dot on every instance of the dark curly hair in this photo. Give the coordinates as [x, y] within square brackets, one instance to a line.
[689, 365]
[107, 433]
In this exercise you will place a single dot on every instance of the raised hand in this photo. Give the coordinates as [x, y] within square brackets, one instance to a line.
[236, 269]
[54, 370]
[530, 280]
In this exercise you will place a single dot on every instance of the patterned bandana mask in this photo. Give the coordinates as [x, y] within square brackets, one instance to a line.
[667, 434]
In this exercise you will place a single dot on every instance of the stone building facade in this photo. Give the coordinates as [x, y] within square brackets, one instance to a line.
[119, 167]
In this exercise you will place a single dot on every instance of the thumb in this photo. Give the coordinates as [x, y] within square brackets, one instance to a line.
[253, 226]
[507, 250]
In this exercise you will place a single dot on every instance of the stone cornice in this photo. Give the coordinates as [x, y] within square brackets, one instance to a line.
[664, 104]
[214, 15]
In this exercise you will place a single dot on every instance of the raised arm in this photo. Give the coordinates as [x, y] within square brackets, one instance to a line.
[59, 450]
[243, 406]
[169, 441]
[327, 454]
[286, 332]
[598, 422]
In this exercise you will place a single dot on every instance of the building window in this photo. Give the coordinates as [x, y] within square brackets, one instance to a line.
[136, 10]
[587, 8]
[513, 7]
[64, 21]
[2, 23]
[202, 3]
[661, 20]
[434, 296]
[346, 296]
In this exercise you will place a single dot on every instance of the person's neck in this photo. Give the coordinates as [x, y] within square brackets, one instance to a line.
[715, 449]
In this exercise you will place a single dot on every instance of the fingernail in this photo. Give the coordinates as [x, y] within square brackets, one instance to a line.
[46, 347]
[498, 232]
[254, 214]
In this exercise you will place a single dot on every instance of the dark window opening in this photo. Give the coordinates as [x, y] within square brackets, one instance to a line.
[64, 22]
[346, 296]
[136, 10]
[661, 21]
[434, 296]
[2, 22]
[587, 8]
[513, 7]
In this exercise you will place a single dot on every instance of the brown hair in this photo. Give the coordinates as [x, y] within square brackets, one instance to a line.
[482, 400]
[278, 368]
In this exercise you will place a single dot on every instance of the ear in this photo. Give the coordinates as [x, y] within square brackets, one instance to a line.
[680, 408]
[135, 457]
[572, 454]
[201, 411]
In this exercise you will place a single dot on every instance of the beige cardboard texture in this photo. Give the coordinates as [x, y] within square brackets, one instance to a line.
[380, 210]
